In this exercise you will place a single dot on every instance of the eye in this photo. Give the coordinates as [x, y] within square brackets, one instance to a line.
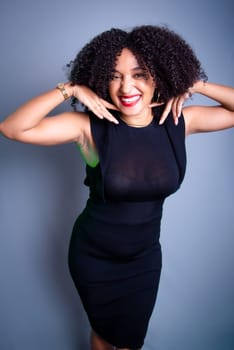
[141, 75]
[115, 76]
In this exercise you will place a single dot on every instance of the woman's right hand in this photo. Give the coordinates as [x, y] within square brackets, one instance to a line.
[94, 103]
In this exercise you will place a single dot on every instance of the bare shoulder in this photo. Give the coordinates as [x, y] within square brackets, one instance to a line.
[61, 128]
[80, 118]
[72, 127]
[80, 123]
[207, 119]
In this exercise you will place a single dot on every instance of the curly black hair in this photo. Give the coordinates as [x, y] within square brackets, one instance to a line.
[166, 55]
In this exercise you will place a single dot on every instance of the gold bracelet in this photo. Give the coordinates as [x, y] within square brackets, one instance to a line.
[61, 87]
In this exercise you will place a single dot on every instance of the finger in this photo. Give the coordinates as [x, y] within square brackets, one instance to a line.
[181, 100]
[176, 110]
[100, 111]
[179, 106]
[104, 105]
[166, 111]
[109, 105]
[155, 104]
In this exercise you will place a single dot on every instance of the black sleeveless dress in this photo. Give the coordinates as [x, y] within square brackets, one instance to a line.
[115, 253]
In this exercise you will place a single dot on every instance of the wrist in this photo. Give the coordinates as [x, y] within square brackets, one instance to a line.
[197, 87]
[69, 89]
[66, 90]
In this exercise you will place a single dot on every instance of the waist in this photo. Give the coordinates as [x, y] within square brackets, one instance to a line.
[131, 213]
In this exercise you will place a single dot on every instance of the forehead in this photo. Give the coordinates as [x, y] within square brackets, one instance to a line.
[126, 60]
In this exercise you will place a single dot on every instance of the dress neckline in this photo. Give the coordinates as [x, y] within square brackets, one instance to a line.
[137, 127]
[155, 118]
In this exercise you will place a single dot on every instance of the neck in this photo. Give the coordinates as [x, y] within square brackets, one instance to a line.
[138, 121]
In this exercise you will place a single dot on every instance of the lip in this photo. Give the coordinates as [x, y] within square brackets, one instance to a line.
[129, 100]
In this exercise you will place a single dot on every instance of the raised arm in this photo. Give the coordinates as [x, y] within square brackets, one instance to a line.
[210, 118]
[30, 122]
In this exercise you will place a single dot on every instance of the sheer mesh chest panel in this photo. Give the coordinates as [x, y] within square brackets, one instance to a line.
[136, 164]
[142, 165]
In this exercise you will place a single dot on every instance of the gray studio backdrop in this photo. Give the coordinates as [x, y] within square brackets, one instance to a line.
[42, 192]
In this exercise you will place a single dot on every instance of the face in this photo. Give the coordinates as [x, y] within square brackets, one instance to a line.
[132, 87]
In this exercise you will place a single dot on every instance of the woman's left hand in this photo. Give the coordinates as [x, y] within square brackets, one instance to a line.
[175, 105]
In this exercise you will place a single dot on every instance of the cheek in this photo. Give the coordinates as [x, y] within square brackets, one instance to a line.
[113, 90]
[149, 90]
[152, 89]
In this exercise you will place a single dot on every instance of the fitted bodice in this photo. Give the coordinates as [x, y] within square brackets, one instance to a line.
[136, 164]
[142, 166]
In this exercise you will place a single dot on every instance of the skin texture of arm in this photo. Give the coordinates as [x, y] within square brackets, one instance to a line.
[30, 122]
[214, 118]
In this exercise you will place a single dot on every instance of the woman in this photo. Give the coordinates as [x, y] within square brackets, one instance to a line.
[133, 85]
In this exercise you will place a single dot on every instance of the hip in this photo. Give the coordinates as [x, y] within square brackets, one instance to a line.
[121, 241]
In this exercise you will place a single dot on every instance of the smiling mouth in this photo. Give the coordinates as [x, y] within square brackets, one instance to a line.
[129, 101]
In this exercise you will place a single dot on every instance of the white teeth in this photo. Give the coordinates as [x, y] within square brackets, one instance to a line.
[129, 99]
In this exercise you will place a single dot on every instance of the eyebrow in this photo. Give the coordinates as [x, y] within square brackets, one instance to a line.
[133, 69]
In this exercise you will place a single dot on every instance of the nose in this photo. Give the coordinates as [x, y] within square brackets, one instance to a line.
[126, 85]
